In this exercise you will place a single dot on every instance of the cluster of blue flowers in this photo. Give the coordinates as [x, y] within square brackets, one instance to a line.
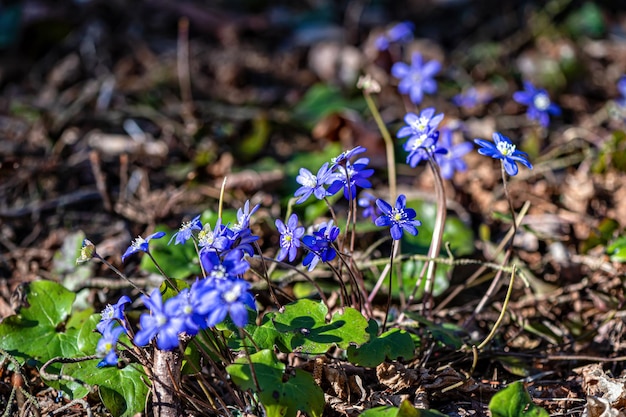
[221, 292]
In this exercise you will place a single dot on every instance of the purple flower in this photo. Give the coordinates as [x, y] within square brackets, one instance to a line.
[420, 149]
[471, 98]
[185, 232]
[141, 245]
[290, 235]
[216, 239]
[399, 217]
[422, 135]
[417, 79]
[243, 217]
[112, 313]
[453, 160]
[158, 324]
[420, 127]
[313, 184]
[539, 105]
[401, 33]
[345, 156]
[504, 150]
[187, 305]
[320, 245]
[106, 346]
[350, 176]
[230, 266]
[368, 202]
[228, 298]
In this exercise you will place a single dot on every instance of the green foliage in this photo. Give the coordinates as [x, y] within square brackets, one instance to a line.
[586, 21]
[178, 261]
[612, 154]
[392, 344]
[47, 329]
[405, 410]
[38, 332]
[302, 327]
[601, 235]
[322, 100]
[617, 249]
[252, 144]
[282, 394]
[514, 401]
[447, 334]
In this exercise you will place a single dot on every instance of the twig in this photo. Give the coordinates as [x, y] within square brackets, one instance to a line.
[166, 373]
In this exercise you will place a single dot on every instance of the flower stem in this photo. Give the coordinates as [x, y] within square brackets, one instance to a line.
[117, 271]
[435, 243]
[391, 257]
[389, 148]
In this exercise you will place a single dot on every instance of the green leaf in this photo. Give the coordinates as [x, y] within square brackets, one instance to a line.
[251, 145]
[302, 327]
[392, 344]
[448, 334]
[322, 100]
[281, 394]
[514, 401]
[617, 250]
[38, 331]
[405, 410]
[178, 261]
[122, 391]
[457, 233]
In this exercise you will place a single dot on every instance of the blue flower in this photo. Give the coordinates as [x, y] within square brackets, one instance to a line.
[417, 79]
[216, 239]
[112, 314]
[422, 135]
[320, 245]
[141, 245]
[243, 217]
[471, 98]
[350, 176]
[399, 217]
[185, 232]
[290, 235]
[228, 298]
[418, 127]
[420, 148]
[187, 305]
[399, 33]
[230, 266]
[504, 150]
[452, 160]
[106, 346]
[368, 202]
[539, 105]
[158, 324]
[345, 156]
[313, 184]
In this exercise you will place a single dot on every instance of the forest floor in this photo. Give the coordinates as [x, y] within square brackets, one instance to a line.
[116, 118]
